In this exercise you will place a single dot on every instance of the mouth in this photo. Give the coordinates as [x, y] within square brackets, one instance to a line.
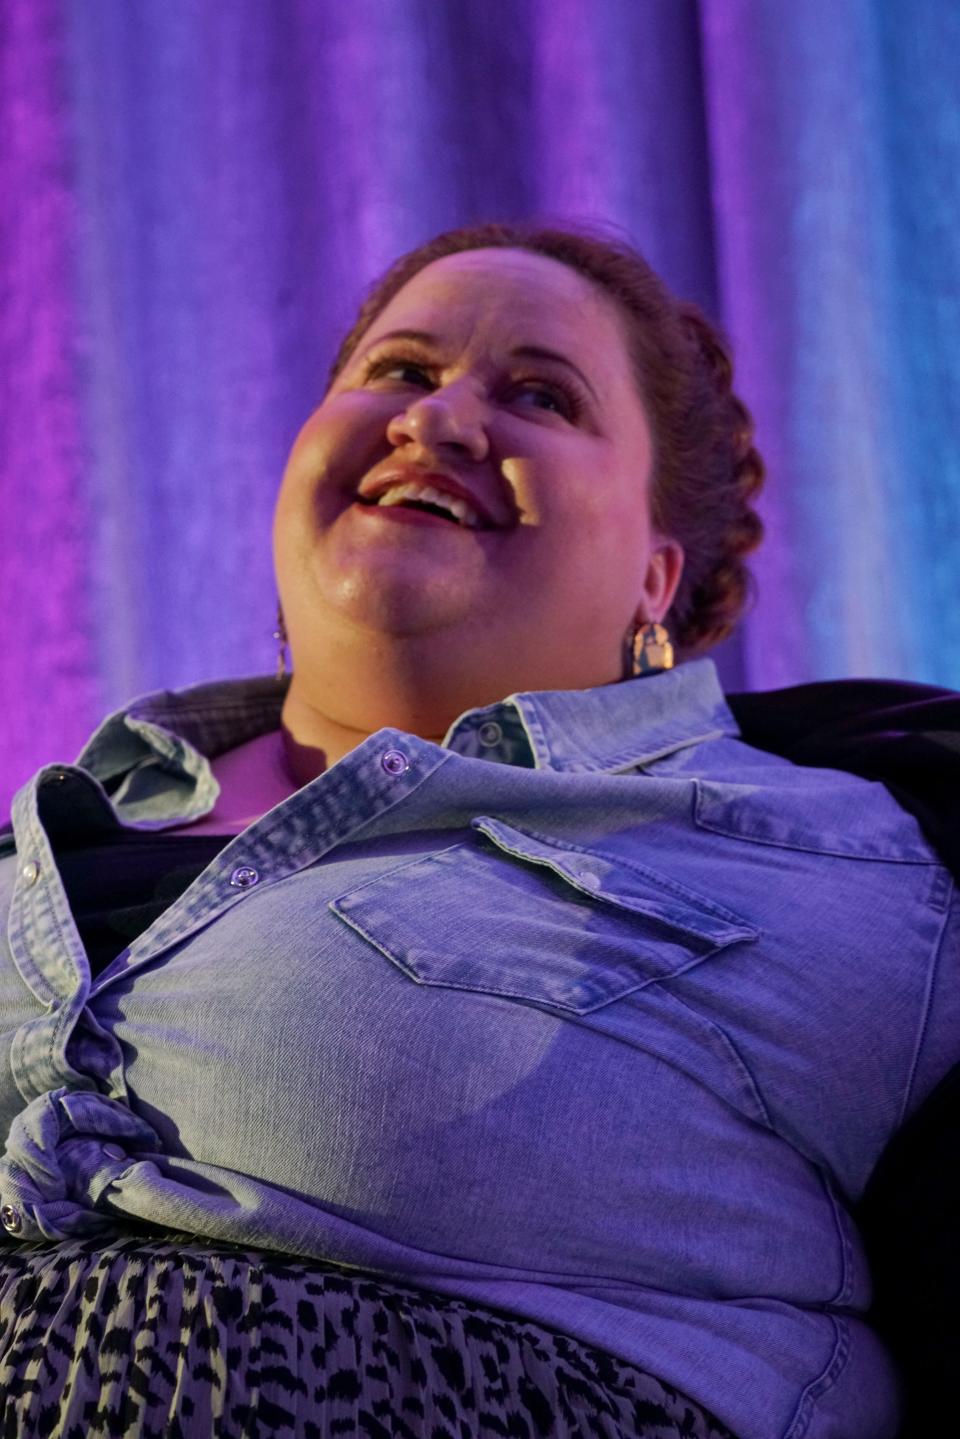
[415, 512]
[408, 490]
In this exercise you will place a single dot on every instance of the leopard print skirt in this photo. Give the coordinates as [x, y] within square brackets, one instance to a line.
[183, 1339]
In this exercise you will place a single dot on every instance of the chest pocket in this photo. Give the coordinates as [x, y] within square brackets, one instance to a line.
[526, 917]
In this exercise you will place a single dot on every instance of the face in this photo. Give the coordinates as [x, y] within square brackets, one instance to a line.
[498, 381]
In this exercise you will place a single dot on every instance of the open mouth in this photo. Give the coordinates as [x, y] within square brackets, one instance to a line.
[413, 510]
[426, 507]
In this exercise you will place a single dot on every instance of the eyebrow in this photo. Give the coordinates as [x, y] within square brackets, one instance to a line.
[530, 352]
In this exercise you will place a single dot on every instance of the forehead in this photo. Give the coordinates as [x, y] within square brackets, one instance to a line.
[502, 294]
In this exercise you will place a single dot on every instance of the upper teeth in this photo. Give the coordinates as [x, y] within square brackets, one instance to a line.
[413, 490]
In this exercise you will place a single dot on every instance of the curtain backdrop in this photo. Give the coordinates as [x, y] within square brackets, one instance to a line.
[194, 194]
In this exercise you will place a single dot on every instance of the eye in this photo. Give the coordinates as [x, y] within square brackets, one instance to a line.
[550, 395]
[399, 370]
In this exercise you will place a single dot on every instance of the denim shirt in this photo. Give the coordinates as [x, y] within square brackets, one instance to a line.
[591, 1013]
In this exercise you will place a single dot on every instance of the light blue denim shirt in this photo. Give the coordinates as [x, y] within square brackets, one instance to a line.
[591, 1013]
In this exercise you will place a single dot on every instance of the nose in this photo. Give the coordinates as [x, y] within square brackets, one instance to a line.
[451, 417]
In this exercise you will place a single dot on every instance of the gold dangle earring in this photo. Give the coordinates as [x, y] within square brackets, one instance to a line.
[283, 650]
[651, 649]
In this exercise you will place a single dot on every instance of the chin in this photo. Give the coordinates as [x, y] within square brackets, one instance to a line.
[402, 609]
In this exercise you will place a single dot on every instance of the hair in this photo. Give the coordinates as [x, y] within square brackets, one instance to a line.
[706, 471]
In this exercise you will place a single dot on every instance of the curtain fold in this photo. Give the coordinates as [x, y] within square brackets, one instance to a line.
[197, 194]
[835, 140]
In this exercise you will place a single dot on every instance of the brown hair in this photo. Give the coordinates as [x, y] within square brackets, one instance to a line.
[706, 471]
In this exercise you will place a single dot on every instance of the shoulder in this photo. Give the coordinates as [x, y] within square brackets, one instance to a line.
[752, 795]
[902, 735]
[746, 792]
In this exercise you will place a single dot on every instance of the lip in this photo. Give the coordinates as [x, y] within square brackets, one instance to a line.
[396, 514]
[374, 485]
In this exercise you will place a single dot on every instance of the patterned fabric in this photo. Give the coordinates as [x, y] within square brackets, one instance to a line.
[178, 1340]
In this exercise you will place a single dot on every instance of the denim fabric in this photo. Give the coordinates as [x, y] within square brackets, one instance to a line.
[591, 1013]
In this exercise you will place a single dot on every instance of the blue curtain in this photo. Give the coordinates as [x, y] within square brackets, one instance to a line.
[197, 193]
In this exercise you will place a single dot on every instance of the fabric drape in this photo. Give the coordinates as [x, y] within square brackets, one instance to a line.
[195, 196]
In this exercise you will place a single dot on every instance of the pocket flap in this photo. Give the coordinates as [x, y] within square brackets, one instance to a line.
[620, 882]
[526, 917]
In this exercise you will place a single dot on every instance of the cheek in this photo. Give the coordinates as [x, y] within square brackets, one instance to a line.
[601, 550]
[341, 439]
[598, 518]
[329, 458]
[320, 448]
[616, 514]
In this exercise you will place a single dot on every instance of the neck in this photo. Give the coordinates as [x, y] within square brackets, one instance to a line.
[314, 739]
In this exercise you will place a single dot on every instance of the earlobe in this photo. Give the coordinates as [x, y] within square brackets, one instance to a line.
[662, 579]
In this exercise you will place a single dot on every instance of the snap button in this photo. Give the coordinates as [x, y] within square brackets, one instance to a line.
[243, 876]
[588, 879]
[10, 1219]
[113, 1151]
[490, 734]
[30, 872]
[394, 762]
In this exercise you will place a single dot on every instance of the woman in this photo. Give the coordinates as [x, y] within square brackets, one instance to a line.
[545, 1029]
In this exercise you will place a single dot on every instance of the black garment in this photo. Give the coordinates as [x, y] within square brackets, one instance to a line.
[908, 736]
[118, 885]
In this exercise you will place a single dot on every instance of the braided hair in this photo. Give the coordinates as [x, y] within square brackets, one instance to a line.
[706, 471]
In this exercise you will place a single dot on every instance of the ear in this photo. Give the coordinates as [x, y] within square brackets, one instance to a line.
[660, 582]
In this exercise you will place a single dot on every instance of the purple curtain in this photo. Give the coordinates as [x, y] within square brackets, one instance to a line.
[196, 194]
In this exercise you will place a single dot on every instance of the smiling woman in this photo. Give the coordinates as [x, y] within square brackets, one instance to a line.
[707, 471]
[443, 1040]
[555, 483]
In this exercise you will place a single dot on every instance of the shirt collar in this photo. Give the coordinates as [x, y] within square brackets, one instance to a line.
[607, 729]
[152, 756]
